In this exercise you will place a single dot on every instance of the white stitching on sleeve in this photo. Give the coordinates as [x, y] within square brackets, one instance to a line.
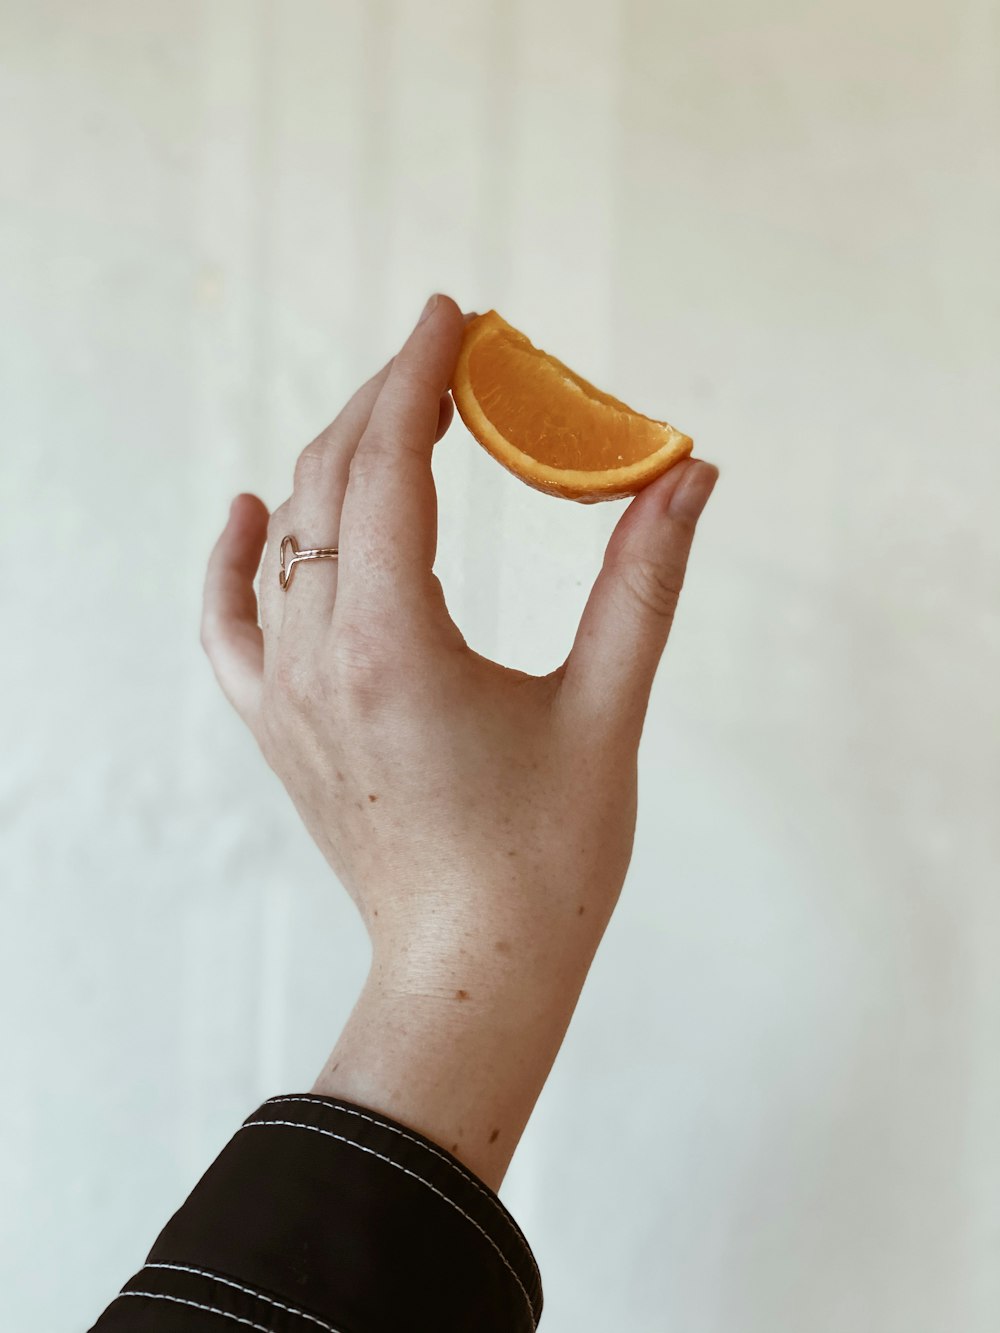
[197, 1305]
[328, 1133]
[465, 1174]
[258, 1295]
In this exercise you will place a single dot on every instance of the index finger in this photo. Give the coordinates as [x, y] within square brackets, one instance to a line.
[388, 530]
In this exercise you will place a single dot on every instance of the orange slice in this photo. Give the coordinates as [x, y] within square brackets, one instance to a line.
[549, 426]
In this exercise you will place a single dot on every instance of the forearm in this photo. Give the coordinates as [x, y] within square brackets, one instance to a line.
[463, 1059]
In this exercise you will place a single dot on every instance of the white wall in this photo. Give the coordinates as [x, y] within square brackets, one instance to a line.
[779, 1105]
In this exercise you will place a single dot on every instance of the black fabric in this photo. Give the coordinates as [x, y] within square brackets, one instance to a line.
[324, 1217]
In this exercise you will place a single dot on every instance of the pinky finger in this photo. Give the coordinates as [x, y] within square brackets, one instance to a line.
[230, 635]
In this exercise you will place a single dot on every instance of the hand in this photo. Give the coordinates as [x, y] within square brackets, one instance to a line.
[481, 818]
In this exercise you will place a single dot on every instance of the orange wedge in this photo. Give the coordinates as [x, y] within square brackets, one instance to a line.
[549, 426]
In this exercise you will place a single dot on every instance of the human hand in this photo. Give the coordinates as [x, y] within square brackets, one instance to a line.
[481, 818]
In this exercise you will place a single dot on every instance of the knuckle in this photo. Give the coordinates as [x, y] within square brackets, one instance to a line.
[372, 458]
[276, 523]
[358, 651]
[657, 589]
[381, 450]
[364, 670]
[292, 681]
[310, 463]
[413, 381]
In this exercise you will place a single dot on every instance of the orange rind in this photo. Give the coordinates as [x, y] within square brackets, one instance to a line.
[551, 427]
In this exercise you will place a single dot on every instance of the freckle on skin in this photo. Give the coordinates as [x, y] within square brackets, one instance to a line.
[454, 1146]
[494, 1136]
[340, 776]
[503, 946]
[372, 797]
[512, 852]
[461, 995]
[580, 910]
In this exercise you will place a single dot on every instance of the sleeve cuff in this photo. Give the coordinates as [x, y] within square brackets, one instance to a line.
[320, 1216]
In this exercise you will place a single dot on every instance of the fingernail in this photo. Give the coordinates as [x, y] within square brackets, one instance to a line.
[428, 309]
[692, 493]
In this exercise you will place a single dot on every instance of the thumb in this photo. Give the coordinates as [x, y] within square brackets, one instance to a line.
[609, 672]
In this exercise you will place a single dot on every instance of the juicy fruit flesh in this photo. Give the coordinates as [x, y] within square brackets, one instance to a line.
[578, 428]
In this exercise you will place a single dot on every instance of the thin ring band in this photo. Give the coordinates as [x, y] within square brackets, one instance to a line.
[286, 568]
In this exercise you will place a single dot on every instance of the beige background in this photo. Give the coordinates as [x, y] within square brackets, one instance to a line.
[778, 1107]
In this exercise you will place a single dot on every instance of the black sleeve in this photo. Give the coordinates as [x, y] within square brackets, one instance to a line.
[320, 1216]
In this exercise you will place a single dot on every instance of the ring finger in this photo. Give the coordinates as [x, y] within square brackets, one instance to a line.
[311, 514]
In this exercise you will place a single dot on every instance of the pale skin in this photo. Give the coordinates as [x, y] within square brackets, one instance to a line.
[480, 818]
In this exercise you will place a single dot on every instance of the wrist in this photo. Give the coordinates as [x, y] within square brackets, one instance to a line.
[537, 955]
[459, 1052]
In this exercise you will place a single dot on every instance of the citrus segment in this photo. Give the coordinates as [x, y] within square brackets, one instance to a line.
[551, 427]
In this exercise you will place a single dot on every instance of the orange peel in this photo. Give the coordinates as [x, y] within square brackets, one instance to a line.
[550, 426]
